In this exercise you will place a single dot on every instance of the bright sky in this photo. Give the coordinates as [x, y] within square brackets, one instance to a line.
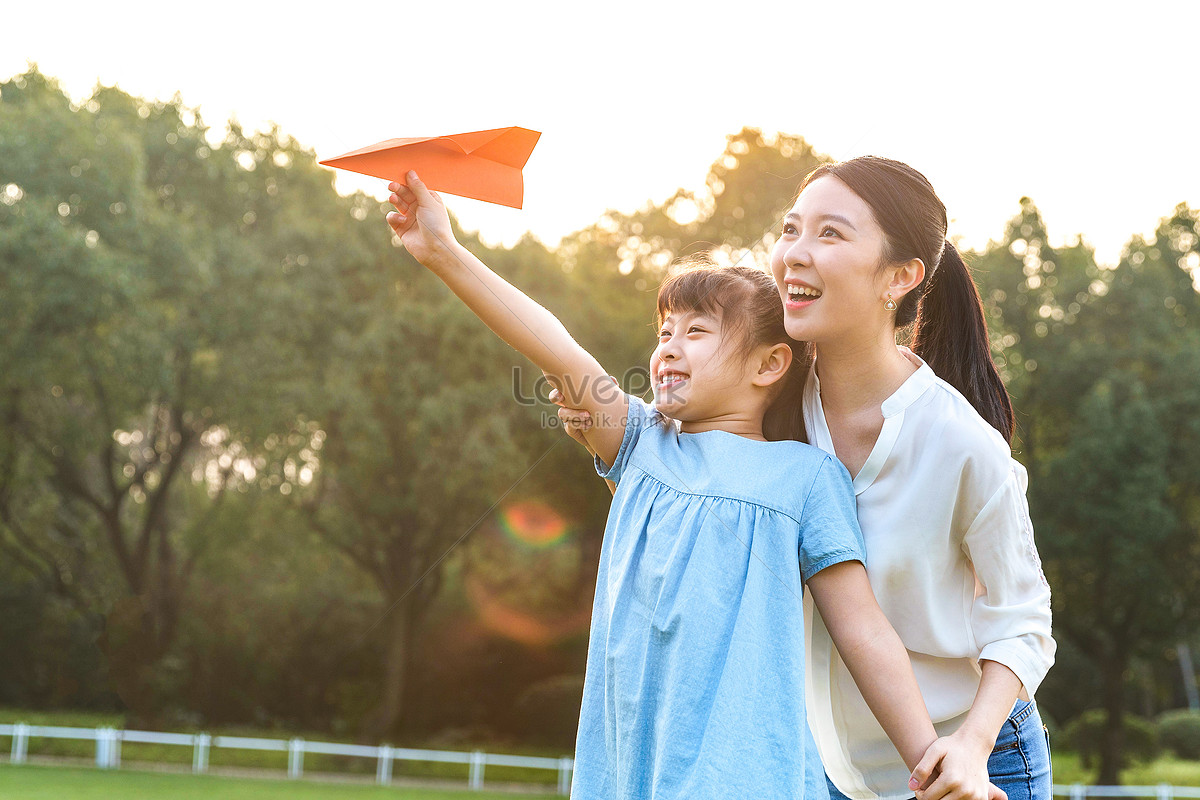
[1088, 108]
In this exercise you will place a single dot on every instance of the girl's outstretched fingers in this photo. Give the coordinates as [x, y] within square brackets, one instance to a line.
[400, 205]
[422, 223]
[421, 193]
[399, 222]
[402, 191]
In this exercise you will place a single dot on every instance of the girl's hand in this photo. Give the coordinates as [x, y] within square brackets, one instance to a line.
[421, 222]
[955, 768]
[574, 420]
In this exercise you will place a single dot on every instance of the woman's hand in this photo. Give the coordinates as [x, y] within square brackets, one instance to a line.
[955, 768]
[574, 420]
[421, 222]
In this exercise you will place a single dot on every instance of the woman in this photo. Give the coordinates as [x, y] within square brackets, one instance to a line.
[925, 434]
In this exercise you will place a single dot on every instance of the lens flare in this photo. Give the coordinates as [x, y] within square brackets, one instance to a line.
[519, 624]
[534, 524]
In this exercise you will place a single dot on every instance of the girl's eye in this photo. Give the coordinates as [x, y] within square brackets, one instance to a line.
[788, 229]
[696, 328]
[663, 333]
[830, 231]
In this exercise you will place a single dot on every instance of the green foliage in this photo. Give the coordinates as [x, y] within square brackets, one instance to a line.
[1179, 732]
[1083, 735]
[164, 300]
[549, 709]
[254, 451]
[1104, 367]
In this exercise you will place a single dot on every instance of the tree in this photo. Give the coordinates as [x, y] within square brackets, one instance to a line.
[158, 324]
[1105, 369]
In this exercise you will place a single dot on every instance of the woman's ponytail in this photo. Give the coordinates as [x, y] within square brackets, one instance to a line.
[951, 336]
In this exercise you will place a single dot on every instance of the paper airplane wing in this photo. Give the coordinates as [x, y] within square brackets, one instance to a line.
[482, 165]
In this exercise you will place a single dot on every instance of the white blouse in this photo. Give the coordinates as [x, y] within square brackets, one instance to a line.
[951, 558]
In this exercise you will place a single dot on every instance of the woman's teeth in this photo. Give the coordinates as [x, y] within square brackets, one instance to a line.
[799, 292]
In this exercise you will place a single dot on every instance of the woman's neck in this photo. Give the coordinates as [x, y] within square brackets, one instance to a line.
[857, 376]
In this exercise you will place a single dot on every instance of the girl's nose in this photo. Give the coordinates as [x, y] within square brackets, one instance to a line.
[668, 350]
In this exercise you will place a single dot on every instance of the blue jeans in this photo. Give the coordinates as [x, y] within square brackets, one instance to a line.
[1020, 761]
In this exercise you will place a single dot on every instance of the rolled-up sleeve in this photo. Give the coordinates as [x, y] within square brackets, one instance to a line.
[1010, 617]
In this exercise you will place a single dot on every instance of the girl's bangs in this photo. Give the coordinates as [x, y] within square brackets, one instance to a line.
[702, 289]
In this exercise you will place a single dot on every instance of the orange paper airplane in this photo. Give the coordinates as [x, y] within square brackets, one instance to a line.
[482, 165]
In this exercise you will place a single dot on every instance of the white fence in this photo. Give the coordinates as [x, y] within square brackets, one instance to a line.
[108, 751]
[108, 756]
[1160, 792]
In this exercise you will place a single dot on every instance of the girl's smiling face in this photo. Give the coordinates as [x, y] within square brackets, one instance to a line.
[694, 377]
[827, 266]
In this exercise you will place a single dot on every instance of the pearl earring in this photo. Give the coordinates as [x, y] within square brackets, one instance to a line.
[890, 305]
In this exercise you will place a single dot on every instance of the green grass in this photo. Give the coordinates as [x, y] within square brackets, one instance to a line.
[37, 782]
[1067, 767]
[181, 756]
[1164, 769]
[32, 782]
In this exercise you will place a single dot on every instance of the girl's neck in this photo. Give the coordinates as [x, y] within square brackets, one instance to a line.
[857, 376]
[749, 426]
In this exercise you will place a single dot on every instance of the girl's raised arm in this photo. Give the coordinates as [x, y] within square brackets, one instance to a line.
[421, 222]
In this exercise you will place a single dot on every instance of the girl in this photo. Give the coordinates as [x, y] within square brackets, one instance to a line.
[925, 433]
[694, 685]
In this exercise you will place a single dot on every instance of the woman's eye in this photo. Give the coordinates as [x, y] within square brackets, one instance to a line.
[788, 229]
[827, 231]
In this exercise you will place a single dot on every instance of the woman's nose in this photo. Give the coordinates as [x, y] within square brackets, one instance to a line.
[796, 254]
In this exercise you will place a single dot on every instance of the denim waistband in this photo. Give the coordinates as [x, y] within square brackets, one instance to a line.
[1024, 713]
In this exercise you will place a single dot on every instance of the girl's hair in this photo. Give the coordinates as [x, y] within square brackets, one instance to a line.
[751, 311]
[951, 332]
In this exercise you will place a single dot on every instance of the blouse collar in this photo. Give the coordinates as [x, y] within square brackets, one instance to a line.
[893, 414]
[913, 387]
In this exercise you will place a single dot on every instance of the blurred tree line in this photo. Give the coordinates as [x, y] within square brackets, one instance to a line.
[257, 468]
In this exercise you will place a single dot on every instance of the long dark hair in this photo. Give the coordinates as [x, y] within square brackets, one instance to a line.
[751, 312]
[951, 331]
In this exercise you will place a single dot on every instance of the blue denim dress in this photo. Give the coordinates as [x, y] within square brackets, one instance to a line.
[695, 672]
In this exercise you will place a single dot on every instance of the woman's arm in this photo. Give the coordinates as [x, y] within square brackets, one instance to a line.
[421, 222]
[963, 755]
[1010, 619]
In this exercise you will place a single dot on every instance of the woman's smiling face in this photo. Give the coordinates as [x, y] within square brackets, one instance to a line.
[827, 265]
